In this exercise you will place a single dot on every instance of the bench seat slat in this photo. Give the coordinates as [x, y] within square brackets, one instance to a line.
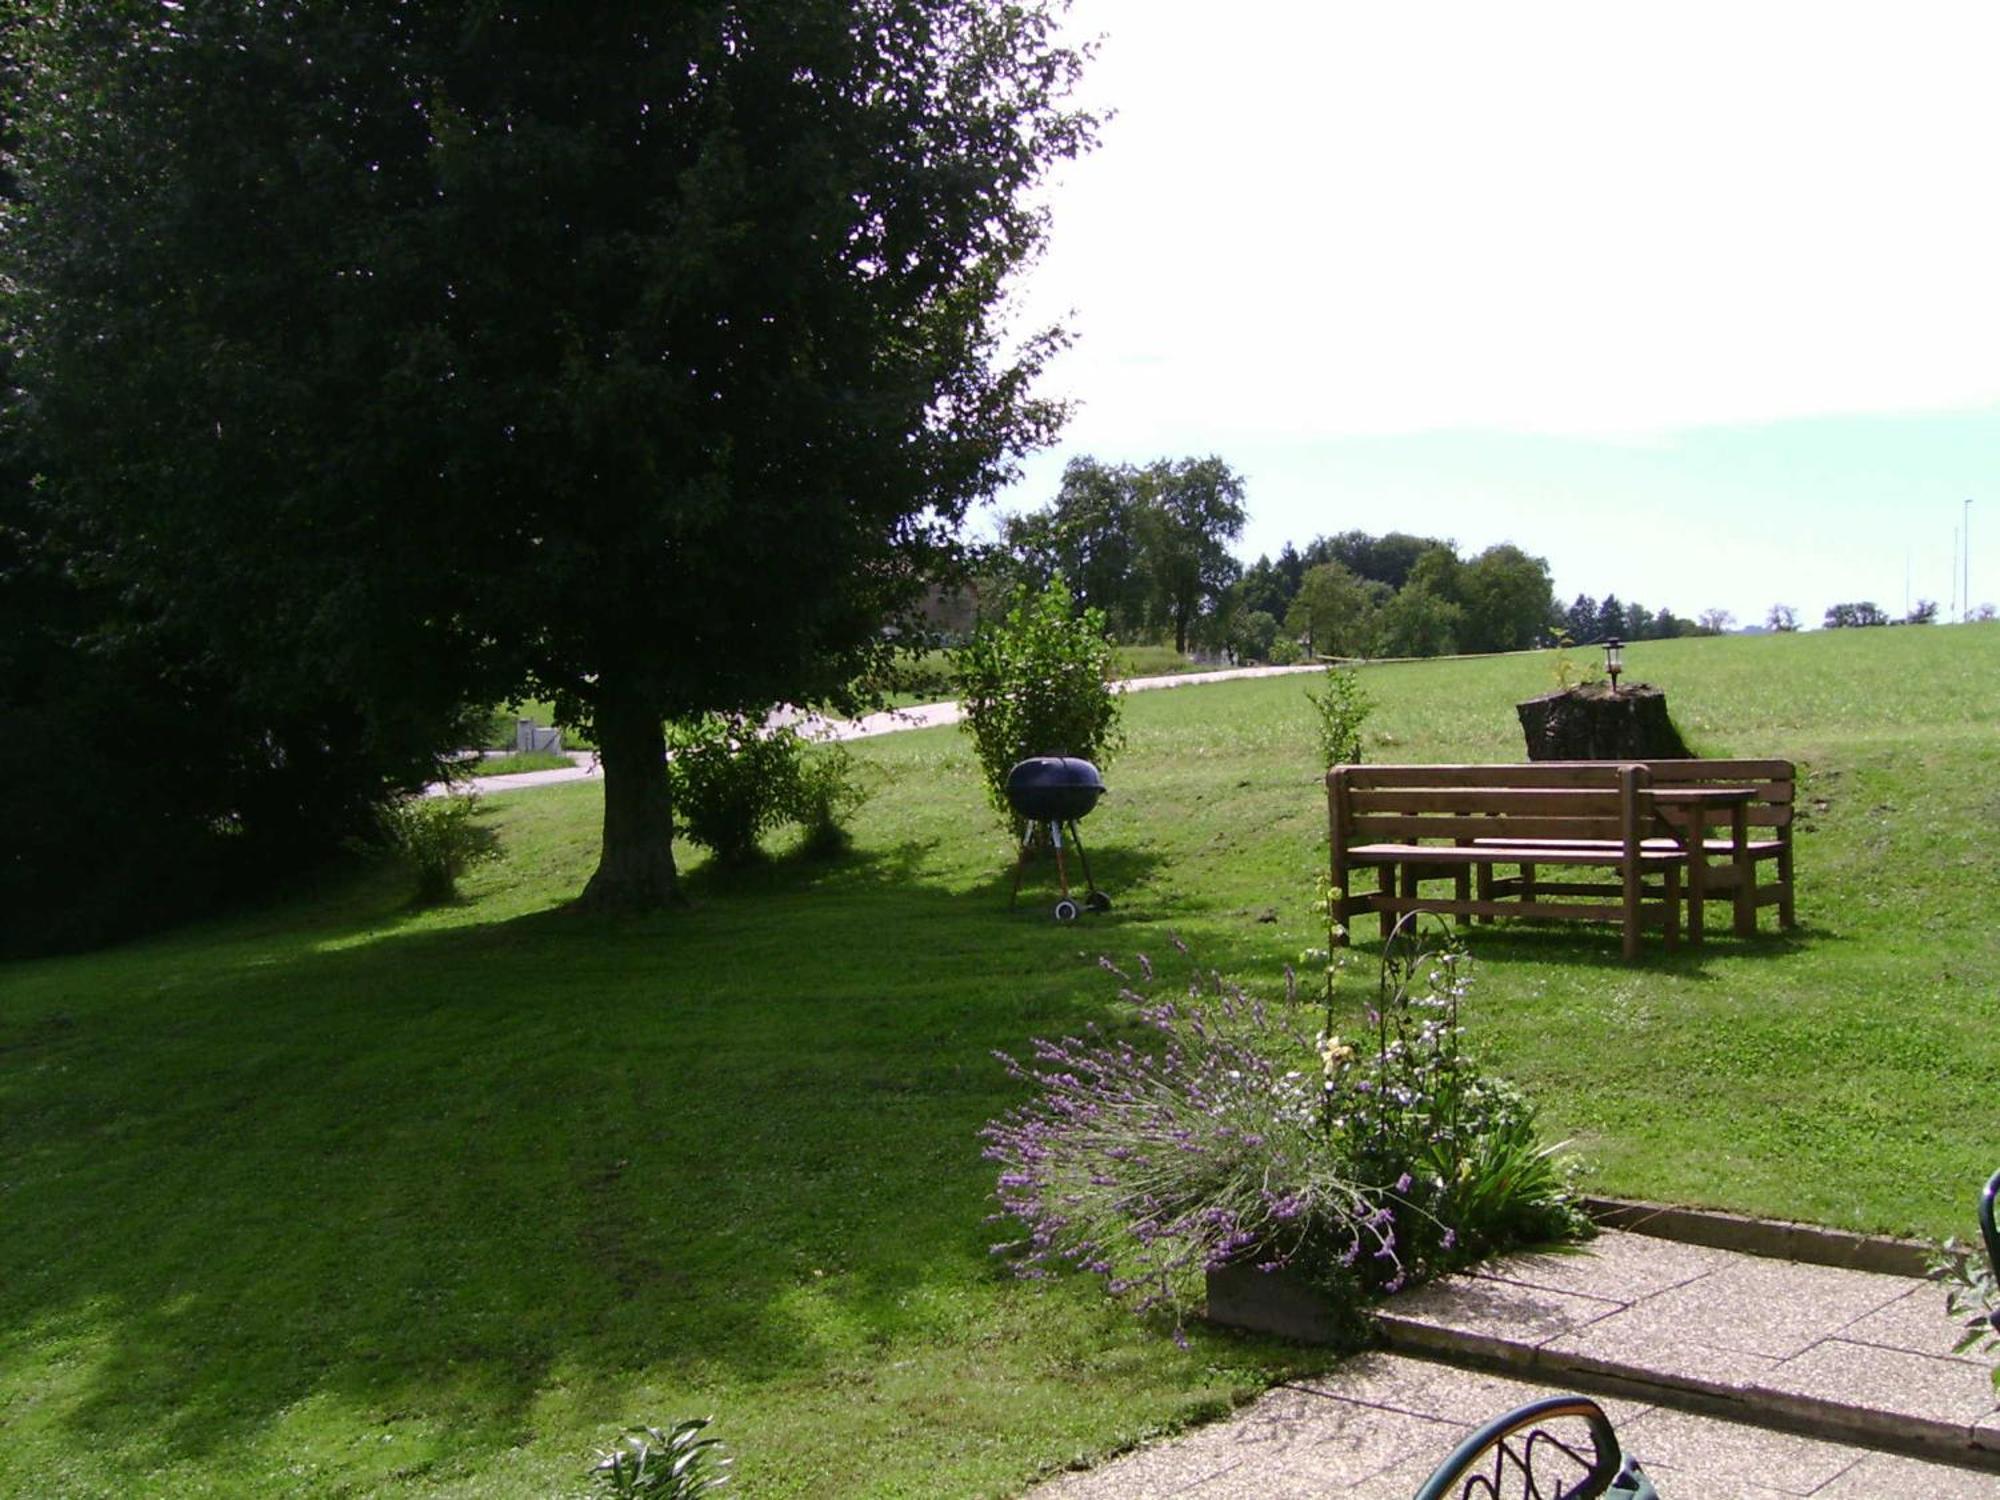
[1653, 916]
[1499, 852]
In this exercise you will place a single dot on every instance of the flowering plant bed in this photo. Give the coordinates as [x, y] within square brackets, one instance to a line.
[1256, 1135]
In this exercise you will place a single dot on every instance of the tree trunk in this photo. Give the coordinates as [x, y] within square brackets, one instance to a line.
[635, 867]
[1598, 723]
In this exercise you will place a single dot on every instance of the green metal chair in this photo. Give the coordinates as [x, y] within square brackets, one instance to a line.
[1557, 1448]
[1991, 1235]
[1986, 1230]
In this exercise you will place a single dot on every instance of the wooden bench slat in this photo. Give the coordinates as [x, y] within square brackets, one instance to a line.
[1535, 774]
[1566, 801]
[1408, 827]
[1550, 909]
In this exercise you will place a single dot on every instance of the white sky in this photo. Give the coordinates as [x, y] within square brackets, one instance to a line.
[1312, 224]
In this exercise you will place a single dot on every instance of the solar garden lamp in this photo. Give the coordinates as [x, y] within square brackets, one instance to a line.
[1614, 660]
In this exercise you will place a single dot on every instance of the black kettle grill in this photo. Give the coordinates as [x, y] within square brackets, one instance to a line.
[1049, 793]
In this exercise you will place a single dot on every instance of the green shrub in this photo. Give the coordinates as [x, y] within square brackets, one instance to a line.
[438, 840]
[1037, 682]
[824, 795]
[732, 782]
[1285, 652]
[1339, 710]
[677, 1463]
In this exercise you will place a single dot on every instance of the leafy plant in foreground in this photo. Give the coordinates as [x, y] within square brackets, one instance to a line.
[675, 1464]
[1244, 1138]
[1971, 1295]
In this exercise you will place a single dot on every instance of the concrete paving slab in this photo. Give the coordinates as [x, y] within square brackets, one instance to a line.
[1886, 1476]
[1288, 1441]
[1501, 1319]
[1901, 1393]
[1772, 1308]
[1615, 1266]
[1443, 1392]
[1915, 1322]
[1711, 1455]
[1638, 1344]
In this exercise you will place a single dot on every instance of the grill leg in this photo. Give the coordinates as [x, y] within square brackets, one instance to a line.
[1089, 881]
[1021, 860]
[1062, 869]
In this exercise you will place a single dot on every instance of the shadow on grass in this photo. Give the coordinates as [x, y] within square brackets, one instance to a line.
[432, 1175]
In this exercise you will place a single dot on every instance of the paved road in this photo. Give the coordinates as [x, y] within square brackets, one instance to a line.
[584, 767]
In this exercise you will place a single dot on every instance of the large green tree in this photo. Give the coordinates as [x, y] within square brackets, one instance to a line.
[644, 356]
[1191, 509]
[1338, 612]
[1090, 537]
[1508, 600]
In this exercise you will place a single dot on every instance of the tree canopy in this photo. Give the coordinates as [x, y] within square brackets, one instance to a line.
[643, 357]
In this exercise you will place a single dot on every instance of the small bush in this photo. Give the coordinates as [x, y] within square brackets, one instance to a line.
[734, 780]
[438, 840]
[1286, 652]
[825, 794]
[676, 1463]
[1340, 708]
[1038, 683]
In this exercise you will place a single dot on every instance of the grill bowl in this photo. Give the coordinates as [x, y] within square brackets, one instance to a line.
[1053, 788]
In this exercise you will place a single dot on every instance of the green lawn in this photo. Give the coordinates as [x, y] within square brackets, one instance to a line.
[340, 1199]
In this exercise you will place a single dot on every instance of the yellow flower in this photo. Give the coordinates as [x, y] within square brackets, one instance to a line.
[1334, 1054]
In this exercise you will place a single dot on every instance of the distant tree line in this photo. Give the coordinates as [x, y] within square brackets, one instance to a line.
[1148, 545]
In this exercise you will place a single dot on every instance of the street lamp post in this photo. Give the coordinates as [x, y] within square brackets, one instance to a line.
[1965, 555]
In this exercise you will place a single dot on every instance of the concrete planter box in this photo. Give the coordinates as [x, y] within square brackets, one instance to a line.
[1279, 1302]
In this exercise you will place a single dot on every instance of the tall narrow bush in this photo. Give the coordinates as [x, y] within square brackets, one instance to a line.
[1037, 682]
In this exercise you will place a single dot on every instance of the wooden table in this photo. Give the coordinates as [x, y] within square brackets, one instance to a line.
[1703, 805]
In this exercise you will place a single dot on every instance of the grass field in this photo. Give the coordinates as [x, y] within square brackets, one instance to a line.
[342, 1199]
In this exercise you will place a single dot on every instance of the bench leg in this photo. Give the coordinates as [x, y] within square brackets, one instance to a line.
[1485, 893]
[1697, 884]
[1746, 872]
[1387, 918]
[1785, 917]
[1462, 889]
[1673, 923]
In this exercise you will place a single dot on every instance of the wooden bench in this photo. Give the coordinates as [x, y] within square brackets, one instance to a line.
[1413, 824]
[1750, 804]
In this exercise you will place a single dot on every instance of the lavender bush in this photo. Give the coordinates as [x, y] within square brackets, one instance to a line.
[1248, 1135]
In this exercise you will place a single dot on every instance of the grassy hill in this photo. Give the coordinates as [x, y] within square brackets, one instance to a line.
[341, 1199]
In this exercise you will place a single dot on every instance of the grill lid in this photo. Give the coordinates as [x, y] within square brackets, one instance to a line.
[1053, 786]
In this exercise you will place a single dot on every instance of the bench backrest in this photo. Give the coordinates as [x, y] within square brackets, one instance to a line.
[1377, 804]
[1773, 782]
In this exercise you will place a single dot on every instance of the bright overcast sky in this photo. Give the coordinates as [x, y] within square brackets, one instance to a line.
[1697, 301]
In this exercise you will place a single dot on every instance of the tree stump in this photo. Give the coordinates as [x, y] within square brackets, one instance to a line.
[1598, 722]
